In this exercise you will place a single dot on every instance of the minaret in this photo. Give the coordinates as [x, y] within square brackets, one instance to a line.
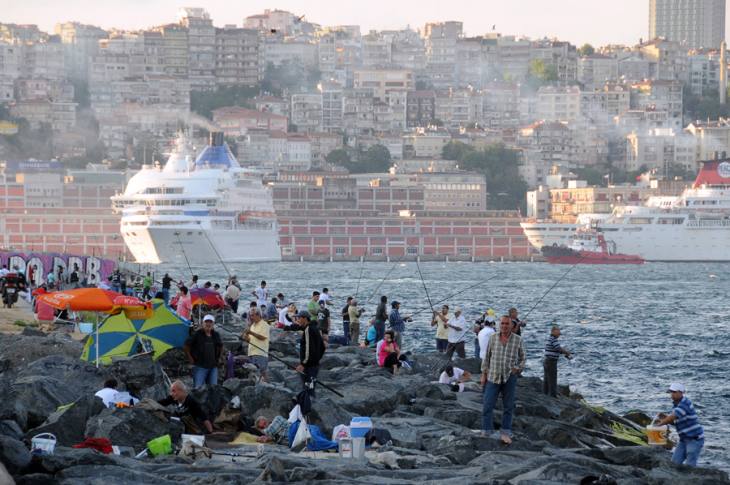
[723, 73]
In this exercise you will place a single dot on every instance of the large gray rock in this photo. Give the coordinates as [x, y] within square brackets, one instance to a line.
[17, 351]
[69, 424]
[11, 428]
[131, 426]
[33, 398]
[5, 477]
[13, 454]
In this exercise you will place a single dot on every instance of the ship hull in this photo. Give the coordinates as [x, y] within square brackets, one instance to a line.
[180, 245]
[564, 255]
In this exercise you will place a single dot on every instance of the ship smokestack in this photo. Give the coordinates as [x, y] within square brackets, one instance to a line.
[216, 138]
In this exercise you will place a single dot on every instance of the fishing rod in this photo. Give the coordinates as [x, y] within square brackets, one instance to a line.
[551, 288]
[293, 368]
[418, 267]
[215, 250]
[383, 280]
[362, 267]
[184, 254]
[454, 294]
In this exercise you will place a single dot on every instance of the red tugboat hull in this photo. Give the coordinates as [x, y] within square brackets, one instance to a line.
[593, 257]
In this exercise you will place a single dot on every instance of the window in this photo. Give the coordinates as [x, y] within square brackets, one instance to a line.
[339, 251]
[377, 251]
[412, 251]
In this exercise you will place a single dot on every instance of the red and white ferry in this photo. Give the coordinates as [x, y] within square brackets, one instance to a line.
[588, 247]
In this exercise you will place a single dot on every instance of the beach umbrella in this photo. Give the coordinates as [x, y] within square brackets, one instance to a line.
[81, 299]
[119, 336]
[206, 296]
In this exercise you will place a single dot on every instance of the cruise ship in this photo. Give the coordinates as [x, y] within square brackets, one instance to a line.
[197, 212]
[694, 226]
[550, 233]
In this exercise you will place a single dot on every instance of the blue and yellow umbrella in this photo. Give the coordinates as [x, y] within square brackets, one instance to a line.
[121, 336]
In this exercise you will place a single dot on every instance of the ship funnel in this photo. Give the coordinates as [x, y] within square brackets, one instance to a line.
[216, 138]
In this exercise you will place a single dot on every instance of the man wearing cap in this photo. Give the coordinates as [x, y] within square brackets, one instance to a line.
[257, 336]
[354, 313]
[311, 349]
[204, 350]
[458, 331]
[486, 331]
[397, 323]
[484, 320]
[684, 418]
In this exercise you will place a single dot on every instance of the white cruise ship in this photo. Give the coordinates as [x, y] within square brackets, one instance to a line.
[199, 212]
[694, 226]
[550, 233]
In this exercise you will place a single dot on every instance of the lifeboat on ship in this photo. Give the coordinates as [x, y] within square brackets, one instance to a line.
[588, 246]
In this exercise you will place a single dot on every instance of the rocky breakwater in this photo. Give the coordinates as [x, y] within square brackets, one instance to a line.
[435, 437]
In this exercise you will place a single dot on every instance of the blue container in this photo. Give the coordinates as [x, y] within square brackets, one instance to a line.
[359, 426]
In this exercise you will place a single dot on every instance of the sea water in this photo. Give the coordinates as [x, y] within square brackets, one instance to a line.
[632, 329]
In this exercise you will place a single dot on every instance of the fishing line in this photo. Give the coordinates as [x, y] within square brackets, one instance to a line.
[362, 267]
[184, 254]
[383, 280]
[551, 288]
[220, 260]
[418, 267]
[293, 368]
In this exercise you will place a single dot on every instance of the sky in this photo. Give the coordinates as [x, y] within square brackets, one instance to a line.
[597, 22]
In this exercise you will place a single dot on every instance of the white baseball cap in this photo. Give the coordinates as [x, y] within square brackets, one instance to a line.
[209, 317]
[457, 309]
[676, 387]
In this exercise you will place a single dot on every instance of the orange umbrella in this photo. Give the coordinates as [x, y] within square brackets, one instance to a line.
[81, 299]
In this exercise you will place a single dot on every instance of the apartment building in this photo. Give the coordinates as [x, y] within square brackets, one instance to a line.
[236, 56]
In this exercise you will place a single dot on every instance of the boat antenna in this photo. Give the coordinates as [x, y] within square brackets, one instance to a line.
[217, 254]
[553, 286]
[177, 233]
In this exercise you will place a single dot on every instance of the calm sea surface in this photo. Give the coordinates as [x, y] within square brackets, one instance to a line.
[633, 329]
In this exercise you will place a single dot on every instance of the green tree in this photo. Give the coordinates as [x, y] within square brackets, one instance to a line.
[338, 156]
[456, 150]
[586, 50]
[204, 102]
[703, 107]
[375, 159]
[540, 74]
[591, 175]
[500, 166]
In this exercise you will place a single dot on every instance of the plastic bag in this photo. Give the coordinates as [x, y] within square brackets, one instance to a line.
[302, 437]
[340, 431]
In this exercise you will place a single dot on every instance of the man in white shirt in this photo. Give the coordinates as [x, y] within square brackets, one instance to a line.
[456, 378]
[290, 310]
[325, 296]
[109, 393]
[262, 294]
[232, 294]
[483, 337]
[458, 332]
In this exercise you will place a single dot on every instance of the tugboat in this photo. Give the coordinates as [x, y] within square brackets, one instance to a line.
[588, 247]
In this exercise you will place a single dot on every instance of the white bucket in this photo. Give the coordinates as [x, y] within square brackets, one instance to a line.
[345, 448]
[358, 448]
[43, 444]
[196, 439]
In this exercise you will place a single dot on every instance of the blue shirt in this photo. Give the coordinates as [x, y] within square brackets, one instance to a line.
[686, 420]
[396, 321]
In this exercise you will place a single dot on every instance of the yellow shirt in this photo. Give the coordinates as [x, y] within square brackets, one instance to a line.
[261, 328]
[442, 331]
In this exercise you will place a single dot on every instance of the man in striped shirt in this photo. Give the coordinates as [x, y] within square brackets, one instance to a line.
[553, 350]
[684, 417]
[504, 360]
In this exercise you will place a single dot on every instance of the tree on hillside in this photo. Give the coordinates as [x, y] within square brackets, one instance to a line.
[455, 150]
[586, 50]
[204, 102]
[500, 166]
[338, 156]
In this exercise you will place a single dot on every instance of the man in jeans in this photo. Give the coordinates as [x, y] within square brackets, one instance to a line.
[504, 360]
[684, 417]
[553, 350]
[204, 351]
[311, 349]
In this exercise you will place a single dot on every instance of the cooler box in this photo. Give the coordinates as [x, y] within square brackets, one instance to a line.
[359, 426]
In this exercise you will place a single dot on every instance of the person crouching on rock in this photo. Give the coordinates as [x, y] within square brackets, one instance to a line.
[505, 359]
[684, 417]
[389, 356]
[187, 409]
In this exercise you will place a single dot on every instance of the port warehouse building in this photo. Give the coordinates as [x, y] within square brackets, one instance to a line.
[327, 215]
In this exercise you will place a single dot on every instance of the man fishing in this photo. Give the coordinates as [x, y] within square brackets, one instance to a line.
[684, 418]
[311, 349]
[504, 360]
[553, 351]
[440, 320]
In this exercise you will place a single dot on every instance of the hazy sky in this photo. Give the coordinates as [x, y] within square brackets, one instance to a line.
[595, 21]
